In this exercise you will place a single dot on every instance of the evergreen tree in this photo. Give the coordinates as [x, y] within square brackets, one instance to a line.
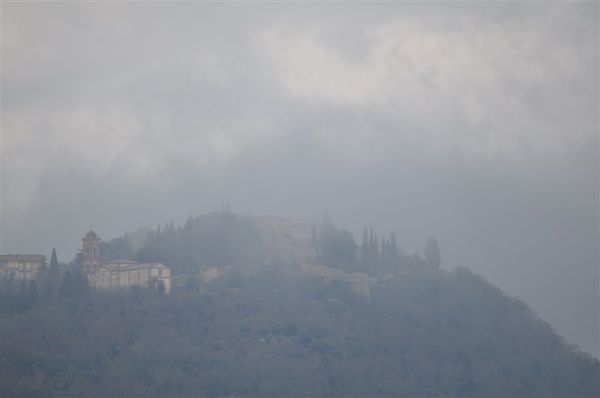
[372, 248]
[336, 247]
[74, 285]
[51, 279]
[432, 252]
[376, 254]
[384, 252]
[395, 255]
[53, 261]
[364, 248]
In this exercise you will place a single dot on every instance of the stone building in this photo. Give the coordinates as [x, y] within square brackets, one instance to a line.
[91, 252]
[121, 273]
[126, 274]
[21, 266]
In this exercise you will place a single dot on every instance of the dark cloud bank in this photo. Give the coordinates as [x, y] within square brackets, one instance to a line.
[477, 124]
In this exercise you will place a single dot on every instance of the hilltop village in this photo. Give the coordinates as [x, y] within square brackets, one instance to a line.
[233, 305]
[115, 274]
[121, 273]
[213, 246]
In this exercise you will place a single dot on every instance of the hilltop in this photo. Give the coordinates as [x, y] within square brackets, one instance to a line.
[225, 240]
[281, 308]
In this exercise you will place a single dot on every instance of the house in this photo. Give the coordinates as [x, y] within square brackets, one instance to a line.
[21, 266]
[126, 274]
[121, 273]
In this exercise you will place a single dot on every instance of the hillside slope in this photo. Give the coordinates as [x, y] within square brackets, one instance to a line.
[268, 332]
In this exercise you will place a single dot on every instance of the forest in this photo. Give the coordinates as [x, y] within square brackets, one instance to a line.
[222, 238]
[264, 330]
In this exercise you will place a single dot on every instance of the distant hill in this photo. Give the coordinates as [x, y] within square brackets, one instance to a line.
[281, 326]
[226, 239]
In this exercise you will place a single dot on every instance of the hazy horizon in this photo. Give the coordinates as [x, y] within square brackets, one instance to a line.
[474, 123]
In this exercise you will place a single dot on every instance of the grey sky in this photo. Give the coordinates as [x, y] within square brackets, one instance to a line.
[475, 123]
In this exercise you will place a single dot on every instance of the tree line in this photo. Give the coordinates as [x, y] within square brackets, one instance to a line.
[337, 248]
[248, 334]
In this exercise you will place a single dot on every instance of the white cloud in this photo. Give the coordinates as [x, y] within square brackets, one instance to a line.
[410, 114]
[487, 89]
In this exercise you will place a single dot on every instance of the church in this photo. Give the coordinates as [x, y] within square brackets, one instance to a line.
[121, 273]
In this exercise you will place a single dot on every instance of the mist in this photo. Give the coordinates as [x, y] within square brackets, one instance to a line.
[474, 123]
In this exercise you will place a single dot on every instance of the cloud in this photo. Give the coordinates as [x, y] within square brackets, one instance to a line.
[491, 84]
[477, 123]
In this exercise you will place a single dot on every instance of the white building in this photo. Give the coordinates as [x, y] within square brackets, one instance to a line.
[126, 274]
[21, 266]
[120, 273]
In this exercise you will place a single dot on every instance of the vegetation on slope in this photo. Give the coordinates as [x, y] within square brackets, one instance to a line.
[267, 332]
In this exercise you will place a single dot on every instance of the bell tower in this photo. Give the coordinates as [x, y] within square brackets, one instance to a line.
[91, 252]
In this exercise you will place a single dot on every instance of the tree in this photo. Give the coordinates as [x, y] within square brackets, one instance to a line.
[313, 238]
[66, 288]
[395, 255]
[337, 247]
[74, 285]
[389, 252]
[116, 249]
[372, 248]
[53, 261]
[432, 252]
[364, 248]
[376, 254]
[384, 252]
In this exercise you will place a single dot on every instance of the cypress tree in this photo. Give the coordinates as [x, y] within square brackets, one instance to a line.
[432, 252]
[372, 248]
[51, 279]
[376, 254]
[315, 241]
[384, 252]
[53, 261]
[395, 256]
[364, 249]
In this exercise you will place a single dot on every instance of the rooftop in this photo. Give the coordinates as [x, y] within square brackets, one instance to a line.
[91, 235]
[127, 265]
[25, 258]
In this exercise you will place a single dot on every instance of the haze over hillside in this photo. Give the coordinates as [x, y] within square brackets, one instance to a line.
[264, 306]
[476, 123]
[466, 132]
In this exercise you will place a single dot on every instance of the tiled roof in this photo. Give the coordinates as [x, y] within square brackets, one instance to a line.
[127, 265]
[122, 262]
[25, 258]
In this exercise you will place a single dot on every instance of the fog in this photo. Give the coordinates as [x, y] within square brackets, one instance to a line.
[474, 123]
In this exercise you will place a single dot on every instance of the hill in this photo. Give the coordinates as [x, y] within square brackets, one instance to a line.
[278, 326]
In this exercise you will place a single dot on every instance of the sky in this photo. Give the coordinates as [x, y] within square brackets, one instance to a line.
[476, 123]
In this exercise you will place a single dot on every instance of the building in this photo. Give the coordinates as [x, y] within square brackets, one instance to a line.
[126, 274]
[121, 273]
[21, 266]
[91, 252]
